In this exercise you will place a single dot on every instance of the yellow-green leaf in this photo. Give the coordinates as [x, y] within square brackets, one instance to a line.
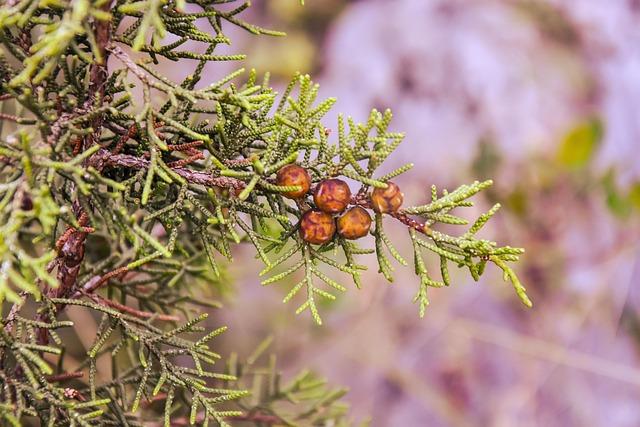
[580, 144]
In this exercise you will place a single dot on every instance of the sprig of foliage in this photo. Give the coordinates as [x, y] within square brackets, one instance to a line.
[151, 355]
[306, 399]
[463, 251]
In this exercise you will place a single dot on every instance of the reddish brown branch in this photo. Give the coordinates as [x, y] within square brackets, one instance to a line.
[184, 162]
[194, 177]
[130, 310]
[131, 132]
[238, 162]
[63, 238]
[128, 62]
[99, 281]
[72, 249]
[77, 146]
[185, 147]
[67, 234]
[64, 377]
[10, 117]
[400, 215]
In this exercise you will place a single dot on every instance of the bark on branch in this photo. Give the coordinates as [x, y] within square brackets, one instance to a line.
[192, 176]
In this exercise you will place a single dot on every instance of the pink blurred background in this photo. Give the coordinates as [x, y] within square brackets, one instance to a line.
[541, 96]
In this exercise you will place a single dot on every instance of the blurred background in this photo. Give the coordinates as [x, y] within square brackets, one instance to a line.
[544, 98]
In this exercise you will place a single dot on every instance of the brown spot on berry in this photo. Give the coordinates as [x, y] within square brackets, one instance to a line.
[354, 224]
[294, 175]
[317, 227]
[332, 195]
[385, 200]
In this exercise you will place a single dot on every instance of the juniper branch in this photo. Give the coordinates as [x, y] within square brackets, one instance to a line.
[124, 205]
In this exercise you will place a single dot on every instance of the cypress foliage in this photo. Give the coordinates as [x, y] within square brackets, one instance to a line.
[121, 191]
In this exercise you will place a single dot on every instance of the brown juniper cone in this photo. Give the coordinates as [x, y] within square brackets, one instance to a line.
[317, 227]
[386, 200]
[354, 224]
[294, 175]
[332, 195]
